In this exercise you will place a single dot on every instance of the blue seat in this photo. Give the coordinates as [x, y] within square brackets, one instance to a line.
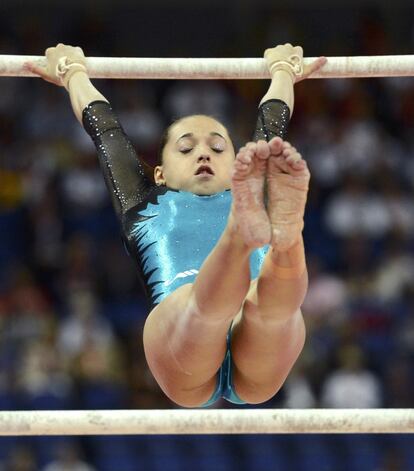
[361, 452]
[209, 452]
[113, 452]
[167, 453]
[6, 445]
[46, 400]
[312, 452]
[45, 448]
[101, 395]
[263, 452]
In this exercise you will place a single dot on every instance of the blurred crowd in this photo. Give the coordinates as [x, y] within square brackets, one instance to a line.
[71, 308]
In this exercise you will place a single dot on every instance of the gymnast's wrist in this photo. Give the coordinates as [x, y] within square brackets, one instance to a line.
[65, 68]
[281, 72]
[76, 78]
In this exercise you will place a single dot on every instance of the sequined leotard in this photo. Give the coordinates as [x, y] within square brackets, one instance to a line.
[169, 233]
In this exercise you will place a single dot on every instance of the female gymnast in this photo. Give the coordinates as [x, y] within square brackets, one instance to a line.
[225, 272]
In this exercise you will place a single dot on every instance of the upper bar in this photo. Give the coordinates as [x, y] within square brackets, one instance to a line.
[230, 68]
[208, 421]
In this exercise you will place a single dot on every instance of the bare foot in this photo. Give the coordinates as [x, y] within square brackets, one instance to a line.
[248, 210]
[288, 181]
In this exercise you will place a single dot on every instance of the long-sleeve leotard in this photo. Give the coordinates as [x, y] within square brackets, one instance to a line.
[169, 233]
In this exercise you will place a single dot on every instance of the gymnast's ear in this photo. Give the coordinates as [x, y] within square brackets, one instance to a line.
[159, 175]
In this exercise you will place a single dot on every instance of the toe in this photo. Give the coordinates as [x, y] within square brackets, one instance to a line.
[263, 150]
[276, 145]
[294, 158]
[289, 151]
[294, 161]
[245, 157]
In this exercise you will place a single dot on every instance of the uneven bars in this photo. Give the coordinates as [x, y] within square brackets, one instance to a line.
[208, 421]
[207, 68]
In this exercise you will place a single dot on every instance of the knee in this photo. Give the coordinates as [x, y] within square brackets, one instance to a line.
[176, 385]
[256, 394]
[183, 389]
[256, 391]
[194, 397]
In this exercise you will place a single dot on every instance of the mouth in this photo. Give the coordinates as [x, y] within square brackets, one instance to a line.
[204, 170]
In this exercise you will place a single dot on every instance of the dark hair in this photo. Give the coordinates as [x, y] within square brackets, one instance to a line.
[163, 142]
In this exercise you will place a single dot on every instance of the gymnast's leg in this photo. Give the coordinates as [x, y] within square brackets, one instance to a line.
[185, 335]
[269, 334]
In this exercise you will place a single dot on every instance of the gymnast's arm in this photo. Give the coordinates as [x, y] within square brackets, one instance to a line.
[274, 111]
[123, 171]
[276, 107]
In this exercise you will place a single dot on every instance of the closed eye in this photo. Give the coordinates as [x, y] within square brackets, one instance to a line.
[217, 150]
[185, 151]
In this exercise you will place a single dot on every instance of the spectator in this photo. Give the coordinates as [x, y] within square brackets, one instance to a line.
[351, 385]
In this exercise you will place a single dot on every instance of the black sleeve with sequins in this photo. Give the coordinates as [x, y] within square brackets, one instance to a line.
[273, 120]
[122, 169]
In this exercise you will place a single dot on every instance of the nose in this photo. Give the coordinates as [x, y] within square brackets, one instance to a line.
[203, 158]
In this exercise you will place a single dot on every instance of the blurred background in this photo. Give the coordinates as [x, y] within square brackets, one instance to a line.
[71, 308]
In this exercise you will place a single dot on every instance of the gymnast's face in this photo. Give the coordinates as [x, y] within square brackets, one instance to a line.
[198, 156]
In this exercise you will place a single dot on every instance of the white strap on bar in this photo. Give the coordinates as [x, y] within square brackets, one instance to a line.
[208, 421]
[231, 68]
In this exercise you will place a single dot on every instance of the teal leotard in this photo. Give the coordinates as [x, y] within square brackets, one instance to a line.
[168, 232]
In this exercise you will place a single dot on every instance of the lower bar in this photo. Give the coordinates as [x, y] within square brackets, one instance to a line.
[210, 421]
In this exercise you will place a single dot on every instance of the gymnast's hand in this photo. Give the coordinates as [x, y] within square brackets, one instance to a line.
[290, 59]
[62, 63]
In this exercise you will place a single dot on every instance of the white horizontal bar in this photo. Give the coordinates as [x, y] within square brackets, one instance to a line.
[231, 68]
[207, 421]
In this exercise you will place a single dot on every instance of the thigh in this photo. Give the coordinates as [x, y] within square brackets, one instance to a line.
[263, 351]
[178, 351]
